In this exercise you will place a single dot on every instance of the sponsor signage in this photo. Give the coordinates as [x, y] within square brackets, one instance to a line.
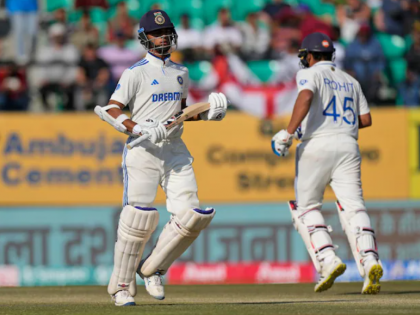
[76, 160]
[245, 243]
[234, 273]
[414, 145]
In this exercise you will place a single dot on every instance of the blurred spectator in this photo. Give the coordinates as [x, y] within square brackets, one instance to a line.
[351, 16]
[6, 54]
[189, 39]
[309, 23]
[122, 23]
[275, 7]
[24, 18]
[409, 90]
[340, 51]
[118, 56]
[374, 4]
[58, 65]
[288, 65]
[256, 38]
[60, 17]
[365, 61]
[396, 16]
[92, 80]
[14, 94]
[413, 55]
[85, 32]
[284, 31]
[223, 36]
[85, 4]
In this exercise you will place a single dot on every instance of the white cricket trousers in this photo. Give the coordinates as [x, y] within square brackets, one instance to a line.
[334, 160]
[168, 164]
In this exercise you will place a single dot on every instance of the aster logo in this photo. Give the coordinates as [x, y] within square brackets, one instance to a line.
[272, 273]
[204, 273]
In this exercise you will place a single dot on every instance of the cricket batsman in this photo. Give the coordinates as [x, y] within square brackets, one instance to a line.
[155, 89]
[328, 113]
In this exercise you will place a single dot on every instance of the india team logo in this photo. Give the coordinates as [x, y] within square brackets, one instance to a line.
[180, 80]
[159, 19]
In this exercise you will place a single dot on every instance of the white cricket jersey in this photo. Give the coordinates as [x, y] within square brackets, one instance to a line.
[337, 103]
[153, 88]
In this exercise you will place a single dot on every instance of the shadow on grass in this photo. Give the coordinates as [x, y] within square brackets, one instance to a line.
[383, 293]
[249, 303]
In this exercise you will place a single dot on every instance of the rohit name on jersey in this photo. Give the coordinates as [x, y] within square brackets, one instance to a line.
[337, 86]
[170, 96]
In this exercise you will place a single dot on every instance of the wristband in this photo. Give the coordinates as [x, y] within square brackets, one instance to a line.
[122, 118]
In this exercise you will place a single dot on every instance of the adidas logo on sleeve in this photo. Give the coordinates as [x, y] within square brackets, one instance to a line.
[155, 82]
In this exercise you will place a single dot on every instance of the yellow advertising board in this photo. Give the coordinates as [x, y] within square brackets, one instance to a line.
[76, 160]
[414, 145]
[234, 161]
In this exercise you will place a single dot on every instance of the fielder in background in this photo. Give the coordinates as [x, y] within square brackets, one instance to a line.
[328, 113]
[155, 89]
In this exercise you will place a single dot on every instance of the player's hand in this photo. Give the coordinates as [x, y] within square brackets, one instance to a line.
[156, 130]
[281, 143]
[218, 106]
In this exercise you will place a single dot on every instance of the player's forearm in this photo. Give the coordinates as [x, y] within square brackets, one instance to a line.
[301, 109]
[365, 121]
[115, 112]
[128, 123]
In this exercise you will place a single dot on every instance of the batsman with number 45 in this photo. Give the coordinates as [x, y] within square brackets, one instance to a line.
[328, 113]
[155, 89]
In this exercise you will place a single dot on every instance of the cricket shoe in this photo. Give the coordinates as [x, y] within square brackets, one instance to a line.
[123, 298]
[154, 286]
[329, 273]
[373, 272]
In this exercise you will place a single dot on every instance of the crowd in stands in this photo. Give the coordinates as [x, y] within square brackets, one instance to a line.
[68, 55]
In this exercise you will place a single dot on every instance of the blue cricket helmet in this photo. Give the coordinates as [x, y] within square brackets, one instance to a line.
[317, 43]
[152, 21]
[155, 20]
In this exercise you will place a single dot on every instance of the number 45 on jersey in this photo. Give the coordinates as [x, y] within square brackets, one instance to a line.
[331, 110]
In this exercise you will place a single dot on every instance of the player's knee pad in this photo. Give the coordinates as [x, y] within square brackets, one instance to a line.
[361, 236]
[315, 234]
[177, 235]
[135, 227]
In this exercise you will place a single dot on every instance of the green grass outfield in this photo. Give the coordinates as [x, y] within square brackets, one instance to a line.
[343, 298]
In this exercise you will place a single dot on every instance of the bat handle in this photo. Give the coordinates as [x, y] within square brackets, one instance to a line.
[137, 141]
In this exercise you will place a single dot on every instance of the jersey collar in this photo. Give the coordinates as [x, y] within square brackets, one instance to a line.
[157, 61]
[325, 63]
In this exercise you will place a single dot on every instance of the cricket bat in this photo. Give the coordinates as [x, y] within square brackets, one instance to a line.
[175, 120]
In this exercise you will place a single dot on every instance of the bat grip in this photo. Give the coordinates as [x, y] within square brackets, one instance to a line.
[137, 141]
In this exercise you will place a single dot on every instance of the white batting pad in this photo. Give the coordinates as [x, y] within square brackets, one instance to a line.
[361, 236]
[177, 235]
[135, 227]
[315, 234]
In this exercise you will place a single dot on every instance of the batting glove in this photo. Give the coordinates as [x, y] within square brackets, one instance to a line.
[218, 106]
[281, 143]
[156, 130]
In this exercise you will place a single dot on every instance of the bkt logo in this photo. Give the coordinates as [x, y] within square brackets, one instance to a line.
[163, 97]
